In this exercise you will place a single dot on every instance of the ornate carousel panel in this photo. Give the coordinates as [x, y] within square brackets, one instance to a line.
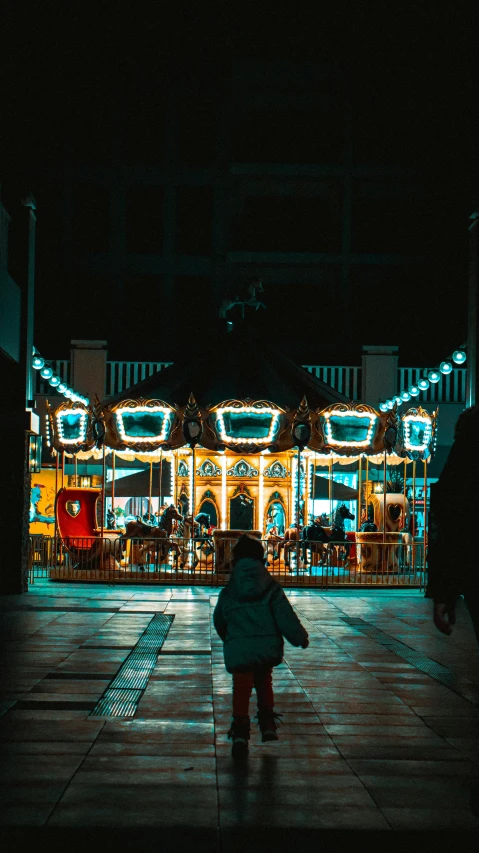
[353, 428]
[71, 427]
[417, 433]
[142, 425]
[245, 426]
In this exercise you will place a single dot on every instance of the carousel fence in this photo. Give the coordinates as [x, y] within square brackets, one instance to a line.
[200, 561]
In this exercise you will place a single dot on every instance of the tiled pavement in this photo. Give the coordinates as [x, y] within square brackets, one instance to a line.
[368, 741]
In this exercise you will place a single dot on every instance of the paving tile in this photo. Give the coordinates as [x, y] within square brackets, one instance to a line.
[430, 818]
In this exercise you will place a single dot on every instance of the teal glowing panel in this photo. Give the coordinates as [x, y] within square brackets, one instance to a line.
[248, 425]
[72, 427]
[144, 424]
[352, 429]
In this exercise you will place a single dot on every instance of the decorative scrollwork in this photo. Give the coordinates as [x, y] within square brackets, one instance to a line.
[277, 470]
[208, 469]
[183, 470]
[242, 469]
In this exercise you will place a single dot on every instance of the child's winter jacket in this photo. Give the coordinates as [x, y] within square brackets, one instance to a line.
[252, 616]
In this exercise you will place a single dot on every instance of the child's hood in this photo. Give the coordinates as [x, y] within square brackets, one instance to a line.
[249, 579]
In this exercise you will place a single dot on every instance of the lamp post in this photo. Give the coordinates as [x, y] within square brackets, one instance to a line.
[472, 396]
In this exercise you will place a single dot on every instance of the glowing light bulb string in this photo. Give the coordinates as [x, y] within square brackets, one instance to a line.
[430, 377]
[48, 372]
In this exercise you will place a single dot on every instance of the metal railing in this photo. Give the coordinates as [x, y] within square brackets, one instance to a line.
[61, 368]
[121, 375]
[372, 560]
[451, 387]
[346, 380]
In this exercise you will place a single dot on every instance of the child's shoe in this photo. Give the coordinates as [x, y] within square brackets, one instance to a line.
[239, 734]
[267, 721]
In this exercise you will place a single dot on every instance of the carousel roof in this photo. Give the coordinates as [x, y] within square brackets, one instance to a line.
[233, 365]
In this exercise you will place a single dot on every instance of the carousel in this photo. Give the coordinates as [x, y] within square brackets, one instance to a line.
[243, 441]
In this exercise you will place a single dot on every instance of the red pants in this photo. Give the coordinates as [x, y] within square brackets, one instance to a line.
[243, 682]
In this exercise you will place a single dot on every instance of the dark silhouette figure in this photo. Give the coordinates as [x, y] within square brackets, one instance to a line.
[252, 616]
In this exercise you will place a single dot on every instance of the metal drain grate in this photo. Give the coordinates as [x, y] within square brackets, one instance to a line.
[462, 686]
[124, 692]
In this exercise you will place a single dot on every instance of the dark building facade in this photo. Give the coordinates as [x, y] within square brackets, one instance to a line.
[164, 192]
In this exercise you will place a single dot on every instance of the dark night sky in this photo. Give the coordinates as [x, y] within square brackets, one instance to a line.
[414, 68]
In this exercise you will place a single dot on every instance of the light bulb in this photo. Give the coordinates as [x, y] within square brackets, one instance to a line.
[397, 400]
[414, 391]
[423, 384]
[38, 362]
[434, 376]
[54, 381]
[46, 372]
[390, 404]
[68, 393]
[62, 387]
[459, 356]
[383, 407]
[405, 396]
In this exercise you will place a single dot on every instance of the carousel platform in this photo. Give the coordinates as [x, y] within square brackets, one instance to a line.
[379, 738]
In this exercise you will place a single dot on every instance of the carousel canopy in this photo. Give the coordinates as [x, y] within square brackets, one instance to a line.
[138, 485]
[232, 365]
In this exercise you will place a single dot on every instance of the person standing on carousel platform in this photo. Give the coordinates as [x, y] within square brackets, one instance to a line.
[252, 616]
[452, 553]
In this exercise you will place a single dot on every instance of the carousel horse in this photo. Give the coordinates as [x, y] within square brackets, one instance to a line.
[338, 533]
[206, 542]
[139, 530]
[338, 536]
[228, 303]
[314, 539]
[274, 542]
[187, 531]
[291, 537]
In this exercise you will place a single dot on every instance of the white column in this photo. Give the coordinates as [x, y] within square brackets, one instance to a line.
[261, 495]
[223, 492]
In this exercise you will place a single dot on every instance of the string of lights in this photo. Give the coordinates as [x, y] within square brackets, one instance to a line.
[48, 372]
[430, 377]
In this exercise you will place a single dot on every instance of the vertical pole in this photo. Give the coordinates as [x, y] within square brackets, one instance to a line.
[113, 472]
[330, 492]
[472, 375]
[360, 477]
[223, 493]
[298, 495]
[425, 517]
[261, 496]
[103, 477]
[384, 497]
[160, 495]
[63, 469]
[413, 526]
[193, 487]
[55, 540]
[150, 506]
[76, 470]
[174, 462]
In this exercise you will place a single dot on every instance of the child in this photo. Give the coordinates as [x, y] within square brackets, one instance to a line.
[251, 617]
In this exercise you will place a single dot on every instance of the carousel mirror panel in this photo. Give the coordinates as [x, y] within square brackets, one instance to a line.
[247, 425]
[351, 429]
[241, 512]
[143, 424]
[209, 508]
[417, 433]
[72, 426]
